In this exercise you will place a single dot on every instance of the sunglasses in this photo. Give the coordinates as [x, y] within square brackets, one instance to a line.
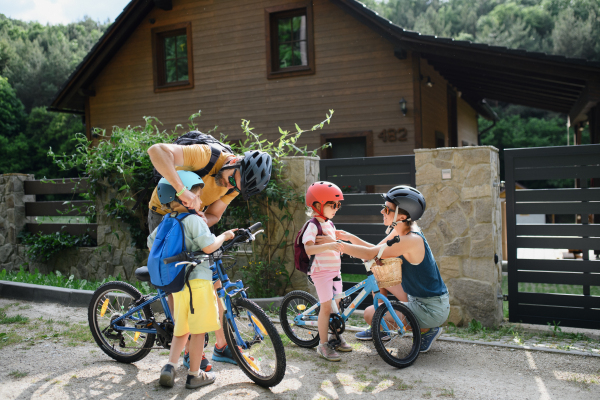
[233, 183]
[387, 210]
[335, 206]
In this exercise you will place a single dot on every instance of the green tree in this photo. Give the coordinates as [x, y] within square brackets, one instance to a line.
[12, 114]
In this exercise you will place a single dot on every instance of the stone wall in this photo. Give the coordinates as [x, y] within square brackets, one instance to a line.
[113, 256]
[463, 225]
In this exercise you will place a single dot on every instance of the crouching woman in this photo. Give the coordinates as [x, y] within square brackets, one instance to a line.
[422, 289]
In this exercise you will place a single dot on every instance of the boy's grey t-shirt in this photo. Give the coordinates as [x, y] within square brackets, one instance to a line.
[197, 236]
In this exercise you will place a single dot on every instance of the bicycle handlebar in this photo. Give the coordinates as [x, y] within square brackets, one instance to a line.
[183, 256]
[255, 227]
[394, 240]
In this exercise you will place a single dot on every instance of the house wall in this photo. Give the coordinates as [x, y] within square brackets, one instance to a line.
[434, 105]
[467, 123]
[357, 75]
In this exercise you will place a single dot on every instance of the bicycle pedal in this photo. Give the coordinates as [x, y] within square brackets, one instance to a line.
[145, 324]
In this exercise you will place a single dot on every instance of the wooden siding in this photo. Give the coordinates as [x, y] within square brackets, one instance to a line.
[467, 123]
[434, 105]
[357, 75]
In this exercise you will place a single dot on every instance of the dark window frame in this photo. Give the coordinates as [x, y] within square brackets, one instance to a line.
[271, 34]
[158, 57]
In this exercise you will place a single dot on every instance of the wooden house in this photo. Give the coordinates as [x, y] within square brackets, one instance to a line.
[281, 62]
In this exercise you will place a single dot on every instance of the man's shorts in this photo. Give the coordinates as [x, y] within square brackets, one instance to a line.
[206, 315]
[154, 219]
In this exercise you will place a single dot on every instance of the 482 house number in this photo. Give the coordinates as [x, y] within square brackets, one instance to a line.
[393, 135]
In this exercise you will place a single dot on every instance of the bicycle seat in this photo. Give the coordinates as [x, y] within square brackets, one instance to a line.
[142, 274]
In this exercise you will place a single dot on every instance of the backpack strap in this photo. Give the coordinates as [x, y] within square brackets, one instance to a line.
[215, 153]
[319, 233]
[188, 271]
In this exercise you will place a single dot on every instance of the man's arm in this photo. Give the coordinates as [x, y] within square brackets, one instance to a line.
[165, 157]
[214, 212]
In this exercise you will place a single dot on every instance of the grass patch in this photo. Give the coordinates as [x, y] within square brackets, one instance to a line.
[15, 319]
[77, 334]
[18, 374]
[446, 393]
[57, 279]
[286, 340]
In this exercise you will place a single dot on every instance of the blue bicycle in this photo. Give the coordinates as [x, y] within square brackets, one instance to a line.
[126, 329]
[396, 332]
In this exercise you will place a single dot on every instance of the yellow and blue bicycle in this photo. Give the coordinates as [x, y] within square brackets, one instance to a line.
[126, 329]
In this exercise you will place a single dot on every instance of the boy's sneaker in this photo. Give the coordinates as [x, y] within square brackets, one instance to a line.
[223, 355]
[364, 335]
[203, 379]
[343, 346]
[429, 337]
[328, 353]
[368, 335]
[167, 376]
[204, 364]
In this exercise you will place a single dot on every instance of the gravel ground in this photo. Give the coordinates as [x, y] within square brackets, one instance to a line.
[67, 365]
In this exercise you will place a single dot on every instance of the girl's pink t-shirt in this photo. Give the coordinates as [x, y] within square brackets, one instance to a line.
[327, 260]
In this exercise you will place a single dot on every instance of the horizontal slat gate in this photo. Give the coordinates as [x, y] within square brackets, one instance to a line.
[580, 163]
[59, 208]
[361, 173]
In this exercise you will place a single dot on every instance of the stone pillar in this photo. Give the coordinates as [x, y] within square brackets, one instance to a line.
[301, 173]
[12, 215]
[463, 225]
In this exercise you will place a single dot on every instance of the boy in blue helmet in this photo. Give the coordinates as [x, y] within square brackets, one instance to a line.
[206, 319]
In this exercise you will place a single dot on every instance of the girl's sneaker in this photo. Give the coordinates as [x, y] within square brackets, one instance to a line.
[223, 355]
[429, 337]
[167, 376]
[343, 346]
[203, 379]
[328, 353]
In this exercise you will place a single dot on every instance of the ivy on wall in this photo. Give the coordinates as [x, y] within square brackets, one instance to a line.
[119, 164]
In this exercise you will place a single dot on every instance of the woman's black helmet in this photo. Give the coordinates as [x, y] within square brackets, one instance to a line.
[256, 172]
[409, 199]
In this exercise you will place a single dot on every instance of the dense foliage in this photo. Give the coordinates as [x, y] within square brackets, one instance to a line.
[42, 247]
[567, 27]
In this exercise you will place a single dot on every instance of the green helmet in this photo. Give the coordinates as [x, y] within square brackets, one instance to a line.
[166, 192]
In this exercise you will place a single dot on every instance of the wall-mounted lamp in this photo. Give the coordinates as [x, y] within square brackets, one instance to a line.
[429, 83]
[403, 106]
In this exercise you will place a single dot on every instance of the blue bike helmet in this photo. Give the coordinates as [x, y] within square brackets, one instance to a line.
[166, 192]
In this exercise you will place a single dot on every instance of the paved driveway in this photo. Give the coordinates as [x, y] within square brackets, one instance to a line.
[65, 365]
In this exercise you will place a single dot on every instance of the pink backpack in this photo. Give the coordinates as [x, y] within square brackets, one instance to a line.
[301, 260]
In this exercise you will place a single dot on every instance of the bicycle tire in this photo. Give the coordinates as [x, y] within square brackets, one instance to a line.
[261, 354]
[288, 310]
[408, 346]
[99, 298]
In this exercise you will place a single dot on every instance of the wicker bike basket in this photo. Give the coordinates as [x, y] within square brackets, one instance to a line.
[388, 272]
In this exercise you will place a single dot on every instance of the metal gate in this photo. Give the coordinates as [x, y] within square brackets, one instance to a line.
[362, 174]
[540, 305]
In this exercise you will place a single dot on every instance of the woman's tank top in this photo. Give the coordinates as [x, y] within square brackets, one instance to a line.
[424, 279]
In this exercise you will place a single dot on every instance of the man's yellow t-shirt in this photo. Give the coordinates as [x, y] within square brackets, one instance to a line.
[196, 157]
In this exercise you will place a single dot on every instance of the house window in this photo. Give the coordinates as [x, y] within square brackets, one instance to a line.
[290, 48]
[172, 54]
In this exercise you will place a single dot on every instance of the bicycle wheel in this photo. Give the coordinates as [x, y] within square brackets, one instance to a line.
[295, 303]
[398, 351]
[109, 302]
[264, 359]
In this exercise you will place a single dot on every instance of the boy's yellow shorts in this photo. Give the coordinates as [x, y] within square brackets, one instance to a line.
[205, 317]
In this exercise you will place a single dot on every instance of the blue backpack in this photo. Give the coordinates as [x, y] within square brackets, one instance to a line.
[169, 242]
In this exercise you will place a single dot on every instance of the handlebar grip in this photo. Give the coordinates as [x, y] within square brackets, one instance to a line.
[255, 227]
[393, 241]
[179, 257]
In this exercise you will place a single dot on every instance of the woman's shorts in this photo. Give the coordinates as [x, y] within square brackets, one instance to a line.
[431, 312]
[328, 283]
[206, 315]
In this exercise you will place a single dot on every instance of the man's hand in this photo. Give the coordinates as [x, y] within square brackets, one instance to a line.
[201, 215]
[343, 235]
[190, 200]
[324, 239]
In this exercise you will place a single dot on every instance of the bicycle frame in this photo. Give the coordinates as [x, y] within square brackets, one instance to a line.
[226, 292]
[368, 285]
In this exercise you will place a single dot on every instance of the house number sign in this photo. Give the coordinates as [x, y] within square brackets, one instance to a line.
[393, 135]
